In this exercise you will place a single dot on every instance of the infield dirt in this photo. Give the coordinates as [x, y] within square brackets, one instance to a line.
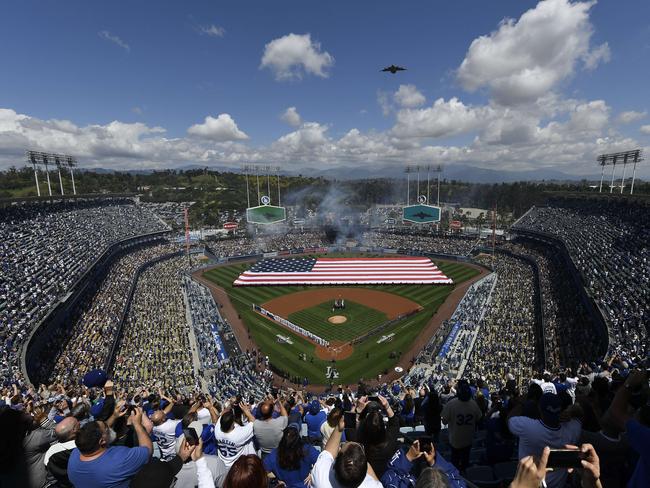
[388, 303]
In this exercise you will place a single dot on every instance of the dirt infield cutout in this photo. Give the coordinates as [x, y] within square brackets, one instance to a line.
[392, 305]
[337, 319]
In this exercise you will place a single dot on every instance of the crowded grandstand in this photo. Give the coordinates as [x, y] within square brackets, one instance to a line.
[115, 353]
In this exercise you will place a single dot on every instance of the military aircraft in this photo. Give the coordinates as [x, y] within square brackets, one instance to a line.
[394, 69]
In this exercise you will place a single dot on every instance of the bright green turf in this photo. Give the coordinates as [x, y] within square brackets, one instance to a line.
[361, 319]
[285, 356]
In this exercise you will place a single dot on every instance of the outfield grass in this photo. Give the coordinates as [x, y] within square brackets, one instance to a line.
[361, 319]
[369, 358]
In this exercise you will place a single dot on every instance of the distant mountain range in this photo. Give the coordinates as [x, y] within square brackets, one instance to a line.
[459, 172]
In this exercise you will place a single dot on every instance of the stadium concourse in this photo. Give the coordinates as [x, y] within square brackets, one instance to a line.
[141, 381]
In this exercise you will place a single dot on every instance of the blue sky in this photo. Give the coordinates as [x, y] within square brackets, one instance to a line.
[155, 69]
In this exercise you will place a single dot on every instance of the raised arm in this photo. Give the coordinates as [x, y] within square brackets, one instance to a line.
[334, 441]
[283, 410]
[144, 440]
[246, 409]
[170, 402]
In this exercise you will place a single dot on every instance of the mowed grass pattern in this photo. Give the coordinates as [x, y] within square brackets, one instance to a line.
[369, 358]
[361, 319]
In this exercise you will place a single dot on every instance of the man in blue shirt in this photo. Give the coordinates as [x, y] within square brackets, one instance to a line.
[315, 417]
[94, 464]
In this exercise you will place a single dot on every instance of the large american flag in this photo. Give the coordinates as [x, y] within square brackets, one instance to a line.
[344, 271]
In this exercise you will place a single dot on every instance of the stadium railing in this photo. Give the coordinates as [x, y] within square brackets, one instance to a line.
[110, 359]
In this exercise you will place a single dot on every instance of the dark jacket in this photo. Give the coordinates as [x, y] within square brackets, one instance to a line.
[398, 472]
[379, 455]
[36, 443]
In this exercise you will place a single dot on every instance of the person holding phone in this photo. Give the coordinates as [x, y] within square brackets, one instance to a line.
[536, 434]
[379, 438]
[234, 440]
[533, 472]
[400, 469]
[164, 428]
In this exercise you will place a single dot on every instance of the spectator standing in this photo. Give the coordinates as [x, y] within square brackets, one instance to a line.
[164, 429]
[95, 464]
[268, 430]
[292, 461]
[536, 434]
[315, 418]
[36, 443]
[343, 467]
[57, 456]
[378, 438]
[233, 439]
[461, 414]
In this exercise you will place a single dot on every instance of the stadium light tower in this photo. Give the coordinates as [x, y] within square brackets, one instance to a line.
[428, 182]
[438, 170]
[38, 158]
[57, 161]
[72, 162]
[31, 158]
[247, 168]
[612, 159]
[47, 171]
[408, 170]
[277, 173]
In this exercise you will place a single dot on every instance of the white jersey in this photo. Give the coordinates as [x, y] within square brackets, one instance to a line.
[166, 438]
[237, 442]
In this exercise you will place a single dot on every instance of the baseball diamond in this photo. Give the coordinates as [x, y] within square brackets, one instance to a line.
[372, 311]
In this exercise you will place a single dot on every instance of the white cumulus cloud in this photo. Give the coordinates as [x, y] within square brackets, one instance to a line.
[291, 117]
[630, 116]
[645, 129]
[442, 119]
[222, 128]
[293, 55]
[526, 58]
[409, 96]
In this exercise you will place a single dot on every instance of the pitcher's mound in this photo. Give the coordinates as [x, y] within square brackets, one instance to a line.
[337, 319]
[336, 350]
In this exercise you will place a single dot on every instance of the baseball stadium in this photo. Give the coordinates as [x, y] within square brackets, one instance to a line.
[336, 244]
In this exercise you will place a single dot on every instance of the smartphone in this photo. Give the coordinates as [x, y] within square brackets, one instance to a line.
[190, 436]
[565, 458]
[373, 399]
[425, 445]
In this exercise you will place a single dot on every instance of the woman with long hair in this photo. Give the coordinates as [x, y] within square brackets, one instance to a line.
[246, 472]
[379, 439]
[292, 460]
[407, 413]
[432, 408]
